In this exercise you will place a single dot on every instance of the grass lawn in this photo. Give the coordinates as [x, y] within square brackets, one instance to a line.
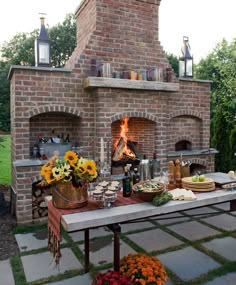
[5, 160]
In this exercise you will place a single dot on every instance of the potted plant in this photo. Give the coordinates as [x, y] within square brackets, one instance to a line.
[111, 277]
[142, 269]
[69, 178]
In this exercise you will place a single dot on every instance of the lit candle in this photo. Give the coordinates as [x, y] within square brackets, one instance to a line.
[102, 151]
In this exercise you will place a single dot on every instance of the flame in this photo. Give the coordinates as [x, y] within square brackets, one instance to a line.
[123, 133]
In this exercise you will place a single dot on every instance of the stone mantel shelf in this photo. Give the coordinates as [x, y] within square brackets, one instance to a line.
[96, 82]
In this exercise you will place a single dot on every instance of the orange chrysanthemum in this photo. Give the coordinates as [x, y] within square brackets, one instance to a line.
[143, 269]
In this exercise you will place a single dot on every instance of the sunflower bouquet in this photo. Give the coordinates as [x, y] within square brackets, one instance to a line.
[142, 269]
[70, 168]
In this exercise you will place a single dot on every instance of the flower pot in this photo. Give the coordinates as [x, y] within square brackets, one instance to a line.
[66, 196]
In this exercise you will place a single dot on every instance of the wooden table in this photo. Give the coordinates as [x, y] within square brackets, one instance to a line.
[114, 216]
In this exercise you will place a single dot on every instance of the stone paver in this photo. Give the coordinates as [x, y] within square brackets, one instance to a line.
[31, 241]
[154, 240]
[101, 251]
[188, 263]
[225, 247]
[83, 280]
[200, 211]
[224, 221]
[223, 206]
[136, 226]
[228, 279]
[6, 275]
[41, 265]
[171, 218]
[193, 230]
[99, 232]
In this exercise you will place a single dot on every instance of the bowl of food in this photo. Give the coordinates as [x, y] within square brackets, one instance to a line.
[148, 189]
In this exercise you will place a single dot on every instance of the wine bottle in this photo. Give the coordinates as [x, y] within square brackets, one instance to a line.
[136, 176]
[67, 139]
[126, 183]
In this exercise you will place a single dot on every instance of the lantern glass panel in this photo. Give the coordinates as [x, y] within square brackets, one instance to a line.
[43, 53]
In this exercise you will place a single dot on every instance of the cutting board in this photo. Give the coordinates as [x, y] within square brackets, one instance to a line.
[220, 178]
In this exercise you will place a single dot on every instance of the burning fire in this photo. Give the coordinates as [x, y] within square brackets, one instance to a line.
[122, 148]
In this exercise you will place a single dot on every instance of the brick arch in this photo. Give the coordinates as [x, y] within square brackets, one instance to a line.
[133, 114]
[55, 108]
[183, 138]
[200, 161]
[185, 112]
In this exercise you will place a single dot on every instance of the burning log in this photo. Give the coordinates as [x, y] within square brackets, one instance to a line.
[119, 150]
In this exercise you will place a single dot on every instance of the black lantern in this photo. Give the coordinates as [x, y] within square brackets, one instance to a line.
[42, 47]
[186, 60]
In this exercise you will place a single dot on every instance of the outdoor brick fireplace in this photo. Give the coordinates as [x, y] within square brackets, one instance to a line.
[66, 100]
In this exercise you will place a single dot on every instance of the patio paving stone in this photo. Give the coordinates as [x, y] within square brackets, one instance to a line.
[136, 226]
[101, 251]
[31, 241]
[188, 263]
[193, 230]
[228, 279]
[171, 219]
[156, 239]
[81, 279]
[99, 232]
[47, 267]
[6, 274]
[224, 221]
[225, 247]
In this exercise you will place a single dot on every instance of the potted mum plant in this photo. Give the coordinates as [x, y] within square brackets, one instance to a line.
[69, 177]
[111, 277]
[142, 269]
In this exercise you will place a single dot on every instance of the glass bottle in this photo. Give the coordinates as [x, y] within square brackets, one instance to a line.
[126, 183]
[136, 176]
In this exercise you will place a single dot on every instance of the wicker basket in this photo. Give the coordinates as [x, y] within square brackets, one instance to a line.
[66, 196]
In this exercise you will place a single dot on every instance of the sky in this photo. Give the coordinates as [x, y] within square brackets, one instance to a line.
[205, 22]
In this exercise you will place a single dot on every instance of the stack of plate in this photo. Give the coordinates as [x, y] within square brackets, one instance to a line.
[207, 185]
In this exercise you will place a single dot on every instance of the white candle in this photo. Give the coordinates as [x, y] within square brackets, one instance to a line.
[102, 151]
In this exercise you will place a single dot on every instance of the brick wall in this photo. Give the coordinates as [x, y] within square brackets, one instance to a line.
[125, 34]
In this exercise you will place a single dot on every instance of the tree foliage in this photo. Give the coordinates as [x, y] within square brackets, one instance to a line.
[173, 60]
[20, 51]
[220, 67]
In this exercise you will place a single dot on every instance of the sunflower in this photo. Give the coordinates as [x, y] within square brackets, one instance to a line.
[90, 167]
[71, 157]
[49, 178]
[57, 173]
[66, 169]
[45, 169]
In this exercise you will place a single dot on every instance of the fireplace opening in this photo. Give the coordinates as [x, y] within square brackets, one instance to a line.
[197, 169]
[183, 145]
[132, 138]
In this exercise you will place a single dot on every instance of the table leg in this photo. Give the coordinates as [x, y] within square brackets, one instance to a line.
[116, 234]
[233, 205]
[86, 251]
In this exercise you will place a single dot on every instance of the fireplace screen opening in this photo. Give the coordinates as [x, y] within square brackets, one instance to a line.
[183, 145]
[125, 150]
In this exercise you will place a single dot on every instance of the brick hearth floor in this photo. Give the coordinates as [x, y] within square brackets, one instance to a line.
[192, 246]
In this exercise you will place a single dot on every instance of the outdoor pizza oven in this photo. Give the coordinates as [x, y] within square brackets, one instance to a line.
[88, 101]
